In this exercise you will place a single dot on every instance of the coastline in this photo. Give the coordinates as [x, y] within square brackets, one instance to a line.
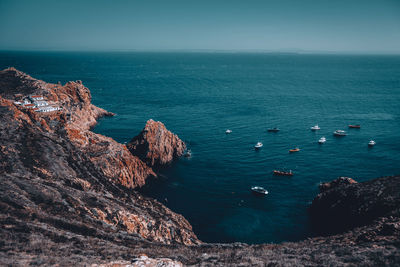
[72, 187]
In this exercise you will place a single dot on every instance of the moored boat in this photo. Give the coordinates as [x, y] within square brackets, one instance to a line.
[371, 143]
[274, 130]
[258, 145]
[356, 126]
[283, 173]
[339, 133]
[294, 150]
[322, 140]
[259, 190]
[315, 128]
[228, 131]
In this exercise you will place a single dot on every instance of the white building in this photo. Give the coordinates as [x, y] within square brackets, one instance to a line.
[40, 103]
[36, 97]
[48, 109]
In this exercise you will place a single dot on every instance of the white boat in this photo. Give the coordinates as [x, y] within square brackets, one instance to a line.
[339, 133]
[228, 131]
[371, 143]
[322, 140]
[315, 128]
[258, 145]
[259, 190]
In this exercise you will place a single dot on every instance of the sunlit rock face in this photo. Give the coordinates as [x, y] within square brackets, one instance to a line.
[156, 145]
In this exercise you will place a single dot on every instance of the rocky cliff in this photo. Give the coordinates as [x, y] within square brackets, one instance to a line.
[67, 197]
[54, 170]
[344, 204]
[156, 145]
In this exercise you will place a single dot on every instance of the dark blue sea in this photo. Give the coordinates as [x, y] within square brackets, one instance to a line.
[200, 95]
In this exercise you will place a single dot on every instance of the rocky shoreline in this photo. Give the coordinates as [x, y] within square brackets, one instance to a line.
[67, 197]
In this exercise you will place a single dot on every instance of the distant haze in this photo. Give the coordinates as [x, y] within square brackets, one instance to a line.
[360, 26]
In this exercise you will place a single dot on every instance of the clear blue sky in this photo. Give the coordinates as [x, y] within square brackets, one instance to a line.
[363, 26]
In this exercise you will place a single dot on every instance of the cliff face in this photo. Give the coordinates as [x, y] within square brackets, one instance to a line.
[67, 198]
[156, 145]
[346, 204]
[54, 170]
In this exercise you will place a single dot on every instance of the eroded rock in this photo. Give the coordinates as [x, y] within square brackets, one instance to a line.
[156, 145]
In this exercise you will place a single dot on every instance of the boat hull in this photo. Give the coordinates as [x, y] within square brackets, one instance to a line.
[259, 191]
[280, 173]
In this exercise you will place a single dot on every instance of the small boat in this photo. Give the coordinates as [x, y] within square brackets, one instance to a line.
[228, 131]
[258, 145]
[322, 140]
[283, 173]
[315, 128]
[274, 130]
[294, 150]
[259, 190]
[371, 143]
[339, 133]
[356, 126]
[188, 153]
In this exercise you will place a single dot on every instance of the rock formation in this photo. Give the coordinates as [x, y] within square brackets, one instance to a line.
[335, 183]
[67, 198]
[156, 145]
[346, 204]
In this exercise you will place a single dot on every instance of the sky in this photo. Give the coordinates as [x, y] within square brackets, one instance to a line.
[360, 26]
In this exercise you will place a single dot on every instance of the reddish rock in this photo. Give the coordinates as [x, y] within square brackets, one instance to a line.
[338, 182]
[156, 145]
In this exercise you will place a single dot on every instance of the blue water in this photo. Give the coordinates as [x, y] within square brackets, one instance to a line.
[200, 95]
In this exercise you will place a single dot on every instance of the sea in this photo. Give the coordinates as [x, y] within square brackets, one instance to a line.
[199, 95]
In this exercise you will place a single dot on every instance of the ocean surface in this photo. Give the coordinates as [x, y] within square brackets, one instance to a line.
[200, 95]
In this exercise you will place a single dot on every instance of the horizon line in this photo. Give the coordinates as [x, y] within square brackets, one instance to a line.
[249, 51]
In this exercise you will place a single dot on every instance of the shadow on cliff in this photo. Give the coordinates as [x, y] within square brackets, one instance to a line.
[344, 204]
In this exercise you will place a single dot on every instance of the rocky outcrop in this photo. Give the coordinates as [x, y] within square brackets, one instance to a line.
[156, 145]
[335, 183]
[344, 203]
[13, 81]
[73, 122]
